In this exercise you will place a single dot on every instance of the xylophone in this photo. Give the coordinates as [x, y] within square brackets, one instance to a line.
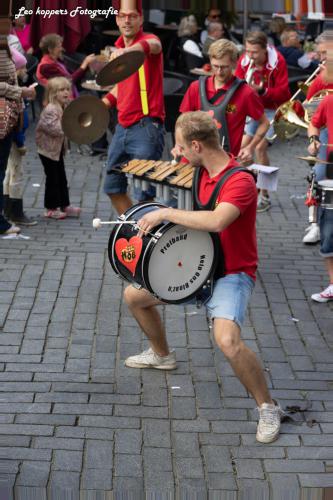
[172, 180]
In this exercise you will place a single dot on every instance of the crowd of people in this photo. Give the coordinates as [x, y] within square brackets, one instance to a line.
[225, 120]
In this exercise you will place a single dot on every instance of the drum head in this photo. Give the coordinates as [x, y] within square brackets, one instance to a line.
[179, 263]
[326, 183]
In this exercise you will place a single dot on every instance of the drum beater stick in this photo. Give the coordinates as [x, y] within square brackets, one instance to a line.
[96, 223]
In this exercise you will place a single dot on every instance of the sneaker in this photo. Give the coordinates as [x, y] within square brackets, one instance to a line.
[269, 422]
[24, 220]
[263, 203]
[12, 230]
[72, 211]
[312, 234]
[323, 296]
[149, 359]
[55, 214]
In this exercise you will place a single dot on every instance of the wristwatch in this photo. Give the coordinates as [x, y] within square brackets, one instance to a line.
[313, 138]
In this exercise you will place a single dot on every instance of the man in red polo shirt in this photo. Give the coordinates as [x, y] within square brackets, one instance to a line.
[140, 104]
[323, 117]
[265, 69]
[213, 94]
[232, 215]
[321, 82]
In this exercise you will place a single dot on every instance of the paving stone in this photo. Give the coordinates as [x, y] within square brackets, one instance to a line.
[67, 460]
[157, 433]
[217, 459]
[128, 441]
[157, 460]
[99, 455]
[189, 468]
[186, 445]
[96, 479]
[128, 465]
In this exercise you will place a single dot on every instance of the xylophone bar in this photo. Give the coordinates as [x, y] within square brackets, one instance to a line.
[171, 180]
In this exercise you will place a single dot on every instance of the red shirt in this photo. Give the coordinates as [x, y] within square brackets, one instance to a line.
[323, 117]
[238, 241]
[274, 75]
[128, 99]
[245, 102]
[317, 85]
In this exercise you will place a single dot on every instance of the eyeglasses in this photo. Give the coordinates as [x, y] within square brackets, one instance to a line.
[131, 17]
[216, 67]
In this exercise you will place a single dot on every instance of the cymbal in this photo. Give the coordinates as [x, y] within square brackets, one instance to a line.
[312, 159]
[85, 119]
[120, 68]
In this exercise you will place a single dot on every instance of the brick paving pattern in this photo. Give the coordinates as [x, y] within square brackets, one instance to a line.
[73, 417]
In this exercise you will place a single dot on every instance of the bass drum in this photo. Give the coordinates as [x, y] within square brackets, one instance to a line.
[172, 262]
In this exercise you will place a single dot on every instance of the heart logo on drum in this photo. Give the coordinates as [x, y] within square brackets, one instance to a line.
[129, 251]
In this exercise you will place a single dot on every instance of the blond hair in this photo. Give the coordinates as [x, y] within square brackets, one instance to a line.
[199, 126]
[49, 41]
[53, 86]
[257, 38]
[222, 48]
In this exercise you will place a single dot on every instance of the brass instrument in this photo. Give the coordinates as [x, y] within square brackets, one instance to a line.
[292, 115]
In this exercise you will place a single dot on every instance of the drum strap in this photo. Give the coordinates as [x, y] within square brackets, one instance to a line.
[219, 270]
[219, 110]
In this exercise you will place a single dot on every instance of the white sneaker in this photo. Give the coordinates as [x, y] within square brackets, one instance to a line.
[312, 234]
[324, 296]
[263, 203]
[269, 422]
[149, 359]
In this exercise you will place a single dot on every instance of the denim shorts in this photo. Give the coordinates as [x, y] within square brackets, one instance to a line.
[326, 233]
[319, 168]
[143, 140]
[252, 125]
[230, 297]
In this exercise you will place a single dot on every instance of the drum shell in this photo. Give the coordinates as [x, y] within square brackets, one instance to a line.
[152, 267]
[326, 190]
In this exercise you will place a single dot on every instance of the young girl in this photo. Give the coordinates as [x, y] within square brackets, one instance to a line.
[51, 146]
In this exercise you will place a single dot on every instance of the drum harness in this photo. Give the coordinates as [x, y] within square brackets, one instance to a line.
[219, 110]
[219, 270]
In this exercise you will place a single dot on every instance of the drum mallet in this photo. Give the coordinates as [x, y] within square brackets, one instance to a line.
[97, 223]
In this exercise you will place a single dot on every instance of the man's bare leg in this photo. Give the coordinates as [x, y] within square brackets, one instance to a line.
[121, 202]
[143, 307]
[243, 361]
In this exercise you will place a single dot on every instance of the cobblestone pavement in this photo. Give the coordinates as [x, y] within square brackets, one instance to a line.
[73, 417]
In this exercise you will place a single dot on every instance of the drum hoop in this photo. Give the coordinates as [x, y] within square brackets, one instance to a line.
[144, 272]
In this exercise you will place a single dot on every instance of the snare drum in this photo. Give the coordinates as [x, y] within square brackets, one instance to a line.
[172, 262]
[326, 188]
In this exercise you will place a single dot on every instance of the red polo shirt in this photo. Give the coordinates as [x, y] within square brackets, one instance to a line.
[245, 102]
[317, 85]
[323, 117]
[128, 99]
[238, 241]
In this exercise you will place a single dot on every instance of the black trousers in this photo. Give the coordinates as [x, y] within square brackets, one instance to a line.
[56, 189]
